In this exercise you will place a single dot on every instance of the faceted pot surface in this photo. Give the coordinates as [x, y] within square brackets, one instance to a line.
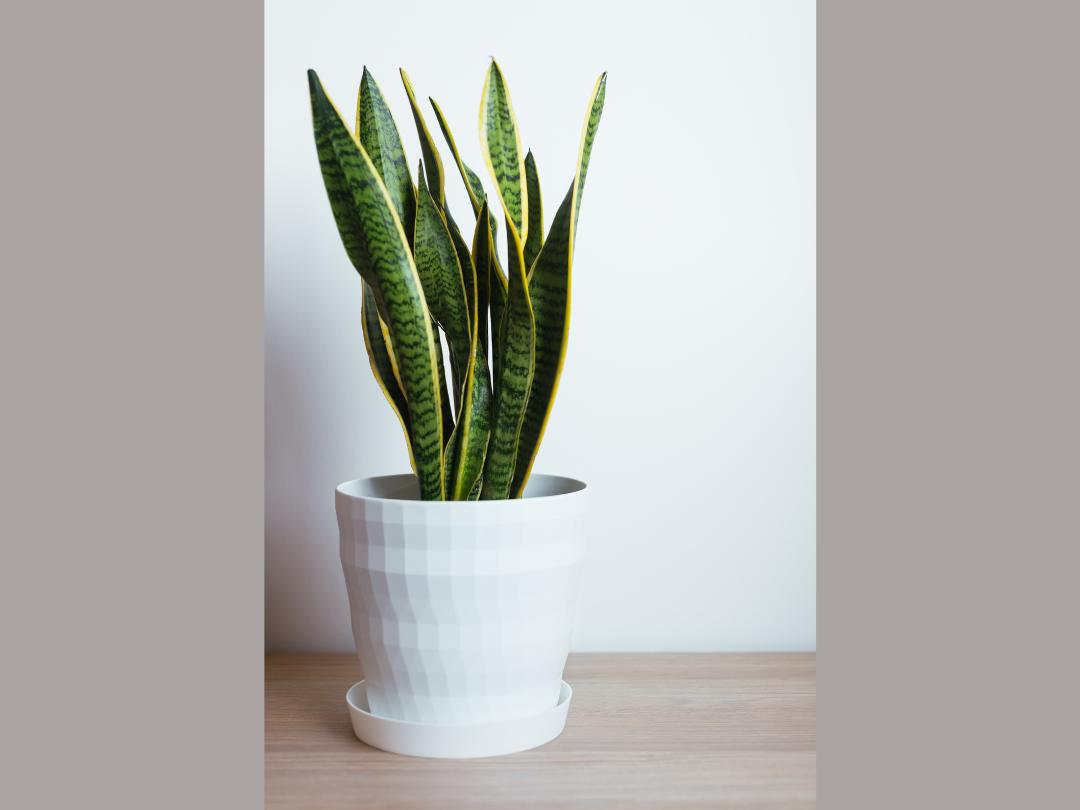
[461, 610]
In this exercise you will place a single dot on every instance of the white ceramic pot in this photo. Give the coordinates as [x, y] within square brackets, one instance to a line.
[461, 610]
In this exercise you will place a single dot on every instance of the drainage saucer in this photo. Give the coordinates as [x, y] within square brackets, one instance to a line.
[456, 742]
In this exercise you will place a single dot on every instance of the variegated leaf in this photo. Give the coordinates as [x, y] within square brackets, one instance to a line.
[549, 290]
[535, 240]
[441, 275]
[515, 376]
[378, 134]
[375, 241]
[501, 146]
[382, 362]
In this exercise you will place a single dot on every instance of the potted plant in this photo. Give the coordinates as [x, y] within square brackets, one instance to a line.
[462, 576]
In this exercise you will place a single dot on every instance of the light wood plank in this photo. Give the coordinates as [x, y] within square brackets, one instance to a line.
[724, 730]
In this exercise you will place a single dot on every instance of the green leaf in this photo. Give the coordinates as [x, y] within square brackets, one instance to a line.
[472, 179]
[441, 275]
[498, 291]
[465, 262]
[549, 290]
[483, 253]
[383, 365]
[379, 249]
[515, 377]
[474, 493]
[462, 249]
[473, 185]
[378, 134]
[588, 135]
[473, 430]
[474, 425]
[468, 445]
[432, 164]
[451, 464]
[535, 239]
[501, 146]
[436, 180]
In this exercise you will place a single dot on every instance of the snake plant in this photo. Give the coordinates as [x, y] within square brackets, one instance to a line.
[424, 282]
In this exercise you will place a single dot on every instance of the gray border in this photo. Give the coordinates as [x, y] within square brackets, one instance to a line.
[132, 404]
[948, 217]
[132, 425]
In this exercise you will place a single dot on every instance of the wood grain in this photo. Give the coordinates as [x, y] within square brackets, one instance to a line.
[724, 730]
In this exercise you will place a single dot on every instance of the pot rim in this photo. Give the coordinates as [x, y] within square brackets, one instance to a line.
[362, 489]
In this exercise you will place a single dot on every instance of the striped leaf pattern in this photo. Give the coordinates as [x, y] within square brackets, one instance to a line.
[473, 431]
[468, 447]
[473, 185]
[497, 281]
[421, 280]
[448, 472]
[483, 249]
[588, 135]
[535, 239]
[441, 276]
[382, 365]
[549, 288]
[378, 134]
[476, 186]
[501, 146]
[498, 290]
[372, 232]
[465, 262]
[515, 375]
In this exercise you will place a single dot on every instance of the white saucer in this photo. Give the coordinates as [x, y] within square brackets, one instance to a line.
[456, 742]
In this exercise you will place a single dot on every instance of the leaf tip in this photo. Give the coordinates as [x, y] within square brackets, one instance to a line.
[368, 83]
[420, 176]
[318, 95]
[408, 89]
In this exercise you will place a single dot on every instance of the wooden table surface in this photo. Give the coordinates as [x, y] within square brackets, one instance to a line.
[665, 730]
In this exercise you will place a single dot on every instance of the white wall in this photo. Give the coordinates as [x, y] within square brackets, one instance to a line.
[687, 400]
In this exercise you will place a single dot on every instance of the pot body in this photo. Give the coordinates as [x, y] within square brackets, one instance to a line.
[461, 610]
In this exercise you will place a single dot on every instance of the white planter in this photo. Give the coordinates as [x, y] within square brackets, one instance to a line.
[461, 611]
